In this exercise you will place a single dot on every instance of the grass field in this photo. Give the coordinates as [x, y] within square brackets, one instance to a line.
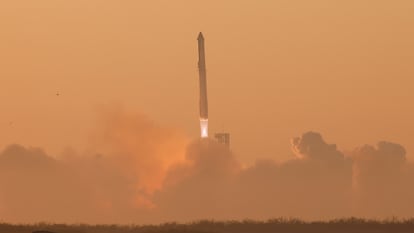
[350, 225]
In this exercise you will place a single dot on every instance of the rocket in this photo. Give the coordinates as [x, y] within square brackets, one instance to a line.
[203, 87]
[203, 77]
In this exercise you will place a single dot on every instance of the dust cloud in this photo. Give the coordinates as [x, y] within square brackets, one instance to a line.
[137, 171]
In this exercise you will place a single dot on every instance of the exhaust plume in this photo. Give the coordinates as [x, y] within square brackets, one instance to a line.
[135, 171]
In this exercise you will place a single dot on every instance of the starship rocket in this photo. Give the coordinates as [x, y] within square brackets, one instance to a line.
[203, 87]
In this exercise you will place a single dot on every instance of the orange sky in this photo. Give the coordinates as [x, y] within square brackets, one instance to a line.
[275, 69]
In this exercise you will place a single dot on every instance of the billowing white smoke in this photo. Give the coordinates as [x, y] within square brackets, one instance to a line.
[139, 172]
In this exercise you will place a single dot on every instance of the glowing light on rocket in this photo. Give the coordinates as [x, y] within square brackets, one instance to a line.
[204, 128]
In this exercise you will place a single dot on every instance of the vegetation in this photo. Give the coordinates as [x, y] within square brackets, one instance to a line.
[350, 225]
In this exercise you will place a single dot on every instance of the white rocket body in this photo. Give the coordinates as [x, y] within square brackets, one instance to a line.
[203, 87]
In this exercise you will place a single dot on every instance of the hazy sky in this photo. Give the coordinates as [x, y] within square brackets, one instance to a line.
[275, 69]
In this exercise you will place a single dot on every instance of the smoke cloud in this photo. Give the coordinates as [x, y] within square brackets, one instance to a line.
[136, 171]
[381, 178]
[112, 181]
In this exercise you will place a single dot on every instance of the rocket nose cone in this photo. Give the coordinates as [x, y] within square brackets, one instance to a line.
[200, 36]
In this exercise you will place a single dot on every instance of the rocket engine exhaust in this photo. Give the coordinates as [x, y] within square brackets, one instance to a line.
[203, 87]
[204, 128]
